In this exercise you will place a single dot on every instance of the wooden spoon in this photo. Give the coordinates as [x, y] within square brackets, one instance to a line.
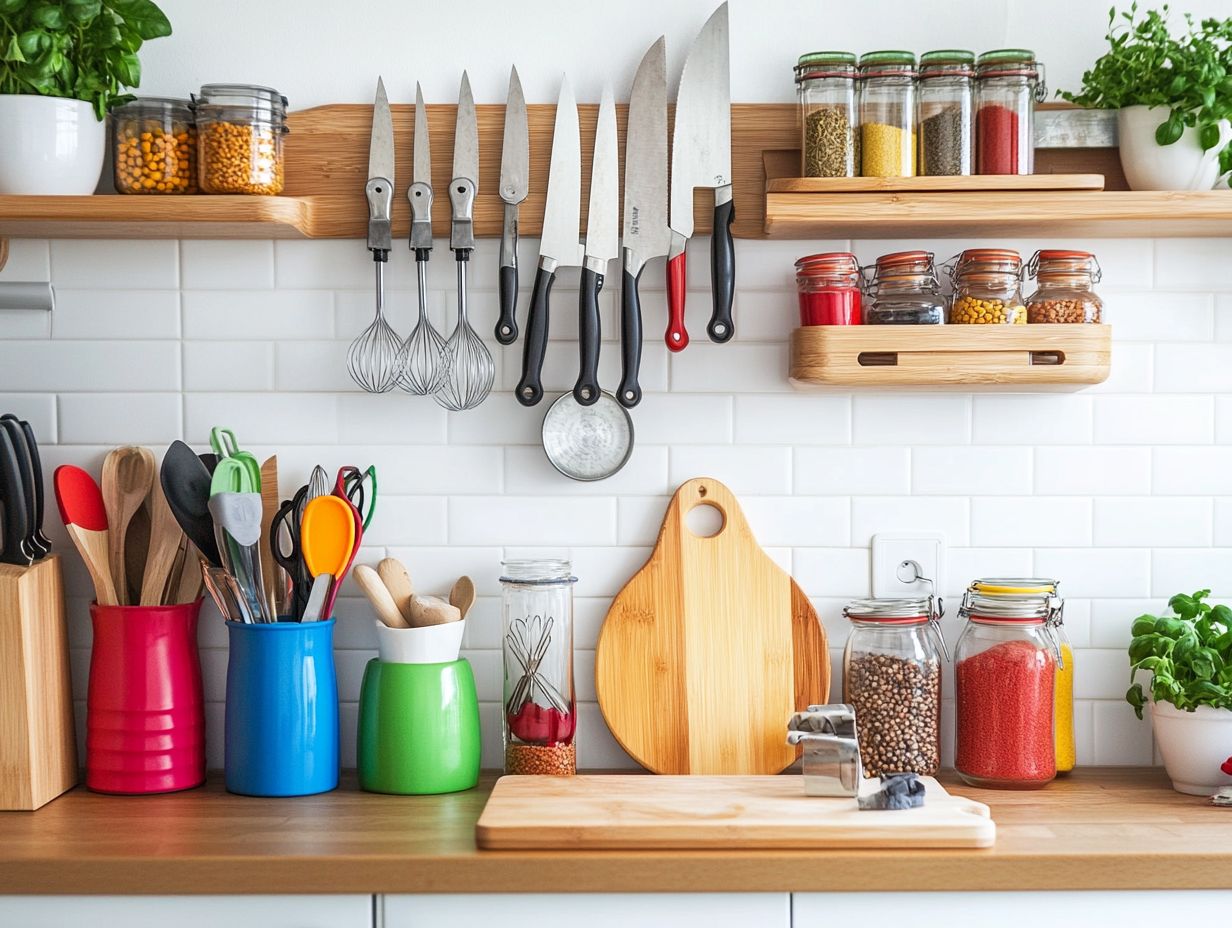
[128, 474]
[166, 537]
[270, 571]
[386, 610]
[428, 610]
[85, 517]
[463, 595]
[396, 579]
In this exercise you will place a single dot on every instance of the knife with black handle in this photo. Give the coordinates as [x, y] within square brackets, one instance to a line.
[629, 393]
[722, 267]
[530, 389]
[30, 544]
[586, 390]
[14, 505]
[40, 493]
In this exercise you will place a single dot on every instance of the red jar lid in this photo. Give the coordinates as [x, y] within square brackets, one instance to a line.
[827, 264]
[899, 258]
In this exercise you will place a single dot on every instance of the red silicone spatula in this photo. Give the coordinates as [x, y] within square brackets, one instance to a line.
[81, 507]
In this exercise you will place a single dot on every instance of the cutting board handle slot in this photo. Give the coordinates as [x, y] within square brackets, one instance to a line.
[705, 519]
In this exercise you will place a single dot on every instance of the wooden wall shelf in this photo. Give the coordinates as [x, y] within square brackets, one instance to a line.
[1043, 357]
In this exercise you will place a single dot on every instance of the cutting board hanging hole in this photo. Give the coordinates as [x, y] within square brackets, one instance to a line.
[705, 520]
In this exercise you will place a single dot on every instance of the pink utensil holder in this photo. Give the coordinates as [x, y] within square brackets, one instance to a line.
[145, 713]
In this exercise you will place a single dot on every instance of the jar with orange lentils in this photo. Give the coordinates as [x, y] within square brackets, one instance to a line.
[155, 146]
[239, 138]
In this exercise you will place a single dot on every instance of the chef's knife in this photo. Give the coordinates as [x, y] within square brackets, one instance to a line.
[30, 543]
[701, 157]
[14, 505]
[559, 245]
[380, 187]
[646, 234]
[602, 245]
[514, 183]
[40, 498]
[420, 191]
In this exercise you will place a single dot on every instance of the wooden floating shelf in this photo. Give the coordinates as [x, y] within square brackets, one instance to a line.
[1044, 357]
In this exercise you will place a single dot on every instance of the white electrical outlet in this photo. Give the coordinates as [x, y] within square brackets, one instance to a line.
[891, 550]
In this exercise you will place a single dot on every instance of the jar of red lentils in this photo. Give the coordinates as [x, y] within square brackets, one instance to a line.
[155, 146]
[1005, 667]
[829, 289]
[239, 138]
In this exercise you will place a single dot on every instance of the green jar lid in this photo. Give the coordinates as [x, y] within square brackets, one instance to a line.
[947, 56]
[828, 58]
[887, 58]
[1007, 56]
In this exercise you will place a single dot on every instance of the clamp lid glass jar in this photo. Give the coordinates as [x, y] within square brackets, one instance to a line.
[887, 114]
[1008, 85]
[892, 677]
[1065, 291]
[155, 146]
[826, 86]
[987, 287]
[1005, 667]
[903, 289]
[828, 286]
[946, 122]
[239, 137]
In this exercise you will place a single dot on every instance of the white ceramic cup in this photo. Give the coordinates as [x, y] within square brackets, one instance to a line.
[435, 644]
[1182, 165]
[49, 146]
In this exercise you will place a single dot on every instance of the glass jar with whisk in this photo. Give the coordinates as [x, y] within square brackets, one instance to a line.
[540, 709]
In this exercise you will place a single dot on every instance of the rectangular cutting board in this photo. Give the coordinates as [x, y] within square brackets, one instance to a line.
[641, 812]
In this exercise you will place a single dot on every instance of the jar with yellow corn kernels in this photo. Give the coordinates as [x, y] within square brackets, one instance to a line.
[987, 288]
[155, 146]
[239, 138]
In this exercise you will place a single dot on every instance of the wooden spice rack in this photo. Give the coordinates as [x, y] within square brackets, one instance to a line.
[1043, 357]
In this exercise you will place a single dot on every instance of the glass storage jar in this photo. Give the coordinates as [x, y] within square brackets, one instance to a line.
[828, 286]
[540, 712]
[903, 289]
[239, 138]
[1064, 696]
[946, 123]
[1065, 287]
[987, 288]
[826, 87]
[155, 146]
[1008, 84]
[1005, 667]
[892, 678]
[887, 114]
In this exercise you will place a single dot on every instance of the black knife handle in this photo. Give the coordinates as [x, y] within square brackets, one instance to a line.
[507, 324]
[40, 499]
[586, 390]
[722, 273]
[530, 390]
[630, 391]
[30, 545]
[14, 497]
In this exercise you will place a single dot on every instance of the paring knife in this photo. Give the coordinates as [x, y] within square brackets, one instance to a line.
[514, 184]
[464, 186]
[646, 234]
[420, 192]
[602, 245]
[701, 157]
[380, 187]
[559, 245]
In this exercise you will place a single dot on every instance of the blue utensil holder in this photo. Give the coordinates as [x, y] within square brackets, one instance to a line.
[282, 709]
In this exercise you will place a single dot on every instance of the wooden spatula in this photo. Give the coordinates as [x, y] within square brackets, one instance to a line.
[275, 589]
[396, 579]
[166, 536]
[81, 507]
[374, 588]
[127, 475]
[463, 595]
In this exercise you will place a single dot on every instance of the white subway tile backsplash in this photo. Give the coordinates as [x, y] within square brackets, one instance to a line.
[1183, 570]
[1032, 420]
[1111, 619]
[1092, 471]
[497, 520]
[228, 366]
[1121, 740]
[1101, 674]
[744, 469]
[683, 419]
[315, 367]
[856, 471]
[1152, 316]
[276, 418]
[1035, 522]
[499, 420]
[1097, 572]
[948, 515]
[963, 565]
[29, 259]
[334, 264]
[804, 419]
[1193, 368]
[910, 419]
[108, 314]
[733, 368]
[25, 323]
[435, 568]
[529, 473]
[281, 315]
[392, 419]
[1157, 522]
[1154, 420]
[845, 573]
[226, 265]
[1223, 522]
[401, 520]
[73, 366]
[90, 264]
[444, 469]
[1192, 264]
[639, 519]
[1132, 369]
[764, 315]
[971, 471]
[798, 520]
[119, 418]
[39, 409]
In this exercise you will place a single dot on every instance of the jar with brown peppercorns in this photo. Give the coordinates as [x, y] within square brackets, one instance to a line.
[239, 138]
[987, 287]
[892, 676]
[1065, 291]
[155, 146]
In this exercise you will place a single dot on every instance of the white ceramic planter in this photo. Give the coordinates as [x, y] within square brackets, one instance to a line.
[49, 145]
[1151, 166]
[1193, 745]
[433, 644]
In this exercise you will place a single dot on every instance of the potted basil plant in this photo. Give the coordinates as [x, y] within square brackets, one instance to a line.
[1173, 94]
[1189, 657]
[63, 65]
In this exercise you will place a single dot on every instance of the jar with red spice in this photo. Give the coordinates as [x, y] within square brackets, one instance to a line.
[892, 678]
[540, 717]
[987, 287]
[903, 289]
[1008, 84]
[828, 285]
[1065, 292]
[1005, 667]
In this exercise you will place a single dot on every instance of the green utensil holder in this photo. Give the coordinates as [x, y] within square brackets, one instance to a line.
[418, 728]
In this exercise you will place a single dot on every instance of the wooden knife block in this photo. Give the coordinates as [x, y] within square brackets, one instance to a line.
[38, 742]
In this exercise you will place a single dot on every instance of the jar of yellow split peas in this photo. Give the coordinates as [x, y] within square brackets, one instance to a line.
[987, 288]
[239, 138]
[155, 146]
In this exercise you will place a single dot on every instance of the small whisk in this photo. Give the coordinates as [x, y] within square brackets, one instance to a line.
[318, 483]
[423, 360]
[373, 358]
[470, 368]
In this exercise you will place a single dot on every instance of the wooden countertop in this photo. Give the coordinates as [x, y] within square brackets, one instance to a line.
[1110, 828]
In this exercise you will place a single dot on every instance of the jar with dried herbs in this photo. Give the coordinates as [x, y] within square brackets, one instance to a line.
[826, 87]
[987, 288]
[947, 134]
[239, 139]
[887, 114]
[1065, 291]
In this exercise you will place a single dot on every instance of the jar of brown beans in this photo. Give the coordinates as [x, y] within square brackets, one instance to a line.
[1065, 291]
[239, 138]
[155, 146]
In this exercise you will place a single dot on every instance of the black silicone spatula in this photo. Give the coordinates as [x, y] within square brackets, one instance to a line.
[186, 484]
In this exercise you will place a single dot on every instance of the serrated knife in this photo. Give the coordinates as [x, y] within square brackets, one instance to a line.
[646, 234]
[701, 157]
[559, 244]
[514, 184]
[602, 245]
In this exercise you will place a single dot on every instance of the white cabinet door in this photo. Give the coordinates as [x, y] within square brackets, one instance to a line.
[187, 911]
[1009, 909]
[590, 910]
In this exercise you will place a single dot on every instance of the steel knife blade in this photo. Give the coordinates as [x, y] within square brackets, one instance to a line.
[420, 192]
[465, 183]
[514, 184]
[379, 188]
